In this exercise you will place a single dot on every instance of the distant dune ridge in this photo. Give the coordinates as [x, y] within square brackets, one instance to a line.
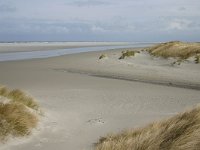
[181, 132]
[18, 113]
[176, 49]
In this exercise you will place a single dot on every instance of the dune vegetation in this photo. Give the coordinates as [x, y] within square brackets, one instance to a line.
[181, 132]
[18, 113]
[127, 54]
[175, 49]
[102, 56]
[197, 59]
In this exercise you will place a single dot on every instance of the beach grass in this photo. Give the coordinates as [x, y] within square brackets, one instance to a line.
[18, 113]
[102, 56]
[21, 97]
[127, 54]
[175, 49]
[197, 59]
[181, 132]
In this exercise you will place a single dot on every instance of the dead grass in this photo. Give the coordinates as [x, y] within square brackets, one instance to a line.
[17, 95]
[127, 54]
[175, 49]
[16, 117]
[181, 132]
[15, 120]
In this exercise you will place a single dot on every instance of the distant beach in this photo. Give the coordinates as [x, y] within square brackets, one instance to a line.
[30, 50]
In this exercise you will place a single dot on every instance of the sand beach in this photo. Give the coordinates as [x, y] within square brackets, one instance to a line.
[85, 98]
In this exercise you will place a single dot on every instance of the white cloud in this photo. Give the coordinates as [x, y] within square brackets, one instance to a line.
[179, 24]
[103, 18]
[33, 27]
[6, 8]
[83, 3]
[97, 29]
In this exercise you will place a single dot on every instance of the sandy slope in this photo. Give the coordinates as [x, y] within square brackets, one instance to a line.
[81, 108]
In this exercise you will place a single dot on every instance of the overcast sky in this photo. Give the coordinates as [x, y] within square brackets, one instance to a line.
[99, 20]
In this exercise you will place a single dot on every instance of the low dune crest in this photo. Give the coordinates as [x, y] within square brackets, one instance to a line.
[181, 132]
[176, 49]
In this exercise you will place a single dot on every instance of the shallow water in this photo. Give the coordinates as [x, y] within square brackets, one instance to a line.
[59, 52]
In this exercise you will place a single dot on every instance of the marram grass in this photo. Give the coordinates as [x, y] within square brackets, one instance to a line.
[102, 56]
[181, 132]
[15, 120]
[16, 117]
[197, 59]
[175, 49]
[19, 96]
[127, 54]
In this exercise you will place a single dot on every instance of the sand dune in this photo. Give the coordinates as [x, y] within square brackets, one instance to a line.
[176, 49]
[180, 132]
[82, 107]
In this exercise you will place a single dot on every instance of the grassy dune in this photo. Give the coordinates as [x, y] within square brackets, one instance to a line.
[181, 132]
[127, 54]
[18, 113]
[176, 49]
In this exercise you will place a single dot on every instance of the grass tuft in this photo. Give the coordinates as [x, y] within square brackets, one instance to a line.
[16, 117]
[127, 54]
[177, 62]
[181, 132]
[197, 59]
[4, 91]
[102, 56]
[21, 97]
[15, 120]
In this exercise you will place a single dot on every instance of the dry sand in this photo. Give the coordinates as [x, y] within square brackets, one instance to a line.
[82, 101]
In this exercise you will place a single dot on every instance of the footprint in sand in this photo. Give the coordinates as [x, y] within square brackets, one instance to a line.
[96, 121]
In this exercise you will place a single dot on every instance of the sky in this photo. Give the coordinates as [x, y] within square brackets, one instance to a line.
[100, 20]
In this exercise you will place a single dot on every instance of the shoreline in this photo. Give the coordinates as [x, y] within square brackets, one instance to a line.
[42, 46]
[28, 55]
